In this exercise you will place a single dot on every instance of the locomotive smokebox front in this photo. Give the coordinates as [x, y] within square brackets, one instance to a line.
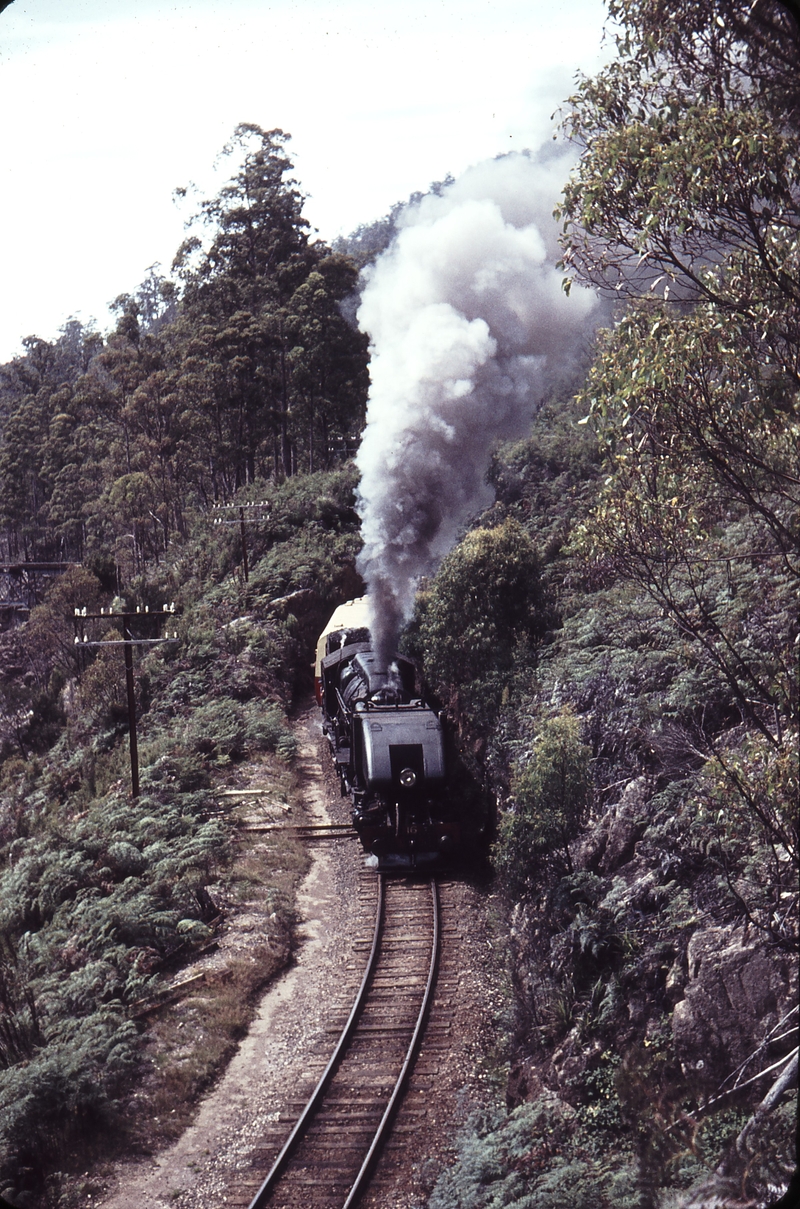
[402, 749]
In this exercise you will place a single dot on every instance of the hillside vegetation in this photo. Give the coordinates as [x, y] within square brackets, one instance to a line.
[639, 725]
[241, 367]
[221, 385]
[103, 897]
[615, 642]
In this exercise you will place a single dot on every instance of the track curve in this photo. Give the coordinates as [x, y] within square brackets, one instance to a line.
[328, 1158]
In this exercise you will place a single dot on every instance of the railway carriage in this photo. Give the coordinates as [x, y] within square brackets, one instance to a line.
[387, 744]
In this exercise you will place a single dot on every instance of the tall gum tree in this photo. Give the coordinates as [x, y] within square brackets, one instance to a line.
[267, 349]
[686, 205]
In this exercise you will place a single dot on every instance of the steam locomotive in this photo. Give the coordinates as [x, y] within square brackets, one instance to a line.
[387, 745]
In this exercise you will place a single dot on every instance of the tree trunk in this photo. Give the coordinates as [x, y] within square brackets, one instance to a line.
[286, 454]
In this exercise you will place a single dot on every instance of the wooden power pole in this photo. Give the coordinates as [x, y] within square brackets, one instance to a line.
[127, 642]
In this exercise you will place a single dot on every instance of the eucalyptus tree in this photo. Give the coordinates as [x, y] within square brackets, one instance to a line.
[255, 336]
[144, 480]
[686, 205]
[327, 363]
[39, 409]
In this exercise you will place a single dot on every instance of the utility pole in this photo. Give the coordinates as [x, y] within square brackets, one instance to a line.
[127, 642]
[132, 733]
[242, 515]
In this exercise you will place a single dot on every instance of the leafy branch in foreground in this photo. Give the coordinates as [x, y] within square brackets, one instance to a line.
[689, 153]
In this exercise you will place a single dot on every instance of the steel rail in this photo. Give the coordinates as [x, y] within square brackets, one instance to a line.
[346, 830]
[261, 1197]
[363, 1177]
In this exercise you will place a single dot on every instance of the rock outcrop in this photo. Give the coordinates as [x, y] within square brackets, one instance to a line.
[736, 991]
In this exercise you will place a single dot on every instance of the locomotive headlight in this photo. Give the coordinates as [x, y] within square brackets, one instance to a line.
[408, 778]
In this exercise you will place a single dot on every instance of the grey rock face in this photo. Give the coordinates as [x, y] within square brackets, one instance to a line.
[611, 842]
[735, 993]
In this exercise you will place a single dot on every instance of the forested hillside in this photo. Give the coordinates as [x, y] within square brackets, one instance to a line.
[614, 641]
[104, 897]
[239, 379]
[639, 723]
[241, 367]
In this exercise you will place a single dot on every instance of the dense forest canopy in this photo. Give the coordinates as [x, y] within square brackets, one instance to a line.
[242, 368]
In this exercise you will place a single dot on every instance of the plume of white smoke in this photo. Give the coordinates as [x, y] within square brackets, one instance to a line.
[470, 328]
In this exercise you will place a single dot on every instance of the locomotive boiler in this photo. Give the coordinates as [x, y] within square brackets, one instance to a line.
[387, 744]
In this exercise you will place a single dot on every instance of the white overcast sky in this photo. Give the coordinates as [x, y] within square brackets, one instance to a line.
[108, 105]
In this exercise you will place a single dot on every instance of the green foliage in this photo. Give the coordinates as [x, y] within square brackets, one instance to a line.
[49, 636]
[66, 1090]
[745, 817]
[107, 447]
[102, 687]
[40, 405]
[322, 501]
[549, 1155]
[552, 792]
[310, 560]
[690, 176]
[668, 521]
[689, 150]
[601, 1107]
[651, 598]
[99, 894]
[675, 577]
[89, 911]
[542, 1156]
[271, 370]
[552, 476]
[228, 730]
[19, 1024]
[481, 617]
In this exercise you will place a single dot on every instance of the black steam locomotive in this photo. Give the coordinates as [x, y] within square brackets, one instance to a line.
[387, 745]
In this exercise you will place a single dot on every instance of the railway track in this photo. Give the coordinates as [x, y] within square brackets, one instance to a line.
[329, 1156]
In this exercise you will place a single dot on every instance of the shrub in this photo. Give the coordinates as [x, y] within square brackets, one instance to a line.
[267, 730]
[551, 792]
[19, 1022]
[483, 614]
[486, 594]
[226, 729]
[49, 636]
[520, 1162]
[48, 1103]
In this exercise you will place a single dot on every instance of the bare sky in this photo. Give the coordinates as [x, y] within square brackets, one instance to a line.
[109, 105]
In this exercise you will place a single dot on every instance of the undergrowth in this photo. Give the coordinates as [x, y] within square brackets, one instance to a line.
[104, 897]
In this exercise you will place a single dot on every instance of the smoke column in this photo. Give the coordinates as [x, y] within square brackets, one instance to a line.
[470, 328]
